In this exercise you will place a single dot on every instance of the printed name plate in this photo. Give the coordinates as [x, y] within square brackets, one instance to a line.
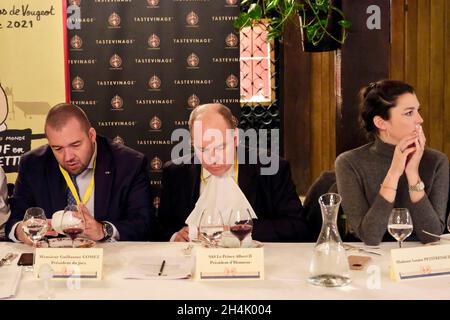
[229, 264]
[80, 263]
[420, 262]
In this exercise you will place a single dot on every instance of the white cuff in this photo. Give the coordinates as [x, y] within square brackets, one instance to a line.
[12, 233]
[172, 238]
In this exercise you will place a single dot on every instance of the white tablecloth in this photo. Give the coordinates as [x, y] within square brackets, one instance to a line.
[286, 267]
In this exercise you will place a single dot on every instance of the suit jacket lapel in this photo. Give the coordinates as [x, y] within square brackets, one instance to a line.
[57, 187]
[247, 181]
[104, 174]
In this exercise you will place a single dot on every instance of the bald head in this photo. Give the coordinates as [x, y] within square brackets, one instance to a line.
[214, 137]
[59, 115]
[209, 111]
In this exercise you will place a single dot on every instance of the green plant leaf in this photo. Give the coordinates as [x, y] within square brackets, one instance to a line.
[272, 4]
[255, 11]
[244, 2]
[345, 23]
[242, 21]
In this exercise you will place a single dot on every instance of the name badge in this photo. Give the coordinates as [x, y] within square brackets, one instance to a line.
[421, 262]
[229, 264]
[81, 263]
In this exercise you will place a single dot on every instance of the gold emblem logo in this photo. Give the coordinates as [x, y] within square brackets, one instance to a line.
[153, 3]
[232, 81]
[192, 18]
[154, 83]
[193, 101]
[117, 102]
[114, 20]
[118, 140]
[155, 123]
[75, 2]
[231, 2]
[231, 40]
[156, 202]
[115, 61]
[76, 42]
[153, 41]
[156, 163]
[193, 60]
[77, 83]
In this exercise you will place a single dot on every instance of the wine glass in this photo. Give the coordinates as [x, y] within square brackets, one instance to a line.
[72, 222]
[241, 224]
[400, 224]
[35, 226]
[211, 227]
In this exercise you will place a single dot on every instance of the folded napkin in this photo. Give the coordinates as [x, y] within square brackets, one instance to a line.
[9, 280]
[222, 193]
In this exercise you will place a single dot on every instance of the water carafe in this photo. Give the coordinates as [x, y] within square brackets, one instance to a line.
[329, 265]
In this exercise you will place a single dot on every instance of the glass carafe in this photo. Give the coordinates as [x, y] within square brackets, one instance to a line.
[329, 265]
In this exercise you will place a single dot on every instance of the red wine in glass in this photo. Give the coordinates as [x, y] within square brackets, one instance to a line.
[241, 231]
[73, 232]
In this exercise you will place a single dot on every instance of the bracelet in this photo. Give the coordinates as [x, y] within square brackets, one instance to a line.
[383, 186]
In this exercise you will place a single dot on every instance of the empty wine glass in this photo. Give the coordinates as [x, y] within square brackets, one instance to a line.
[35, 226]
[211, 227]
[400, 224]
[241, 224]
[72, 222]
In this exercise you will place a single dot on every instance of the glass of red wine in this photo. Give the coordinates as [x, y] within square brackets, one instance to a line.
[241, 224]
[72, 222]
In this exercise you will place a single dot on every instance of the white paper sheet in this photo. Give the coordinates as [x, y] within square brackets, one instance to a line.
[149, 268]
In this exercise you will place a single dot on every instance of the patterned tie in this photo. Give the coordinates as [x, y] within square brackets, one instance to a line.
[70, 198]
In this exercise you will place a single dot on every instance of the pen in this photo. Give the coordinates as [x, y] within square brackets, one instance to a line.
[162, 267]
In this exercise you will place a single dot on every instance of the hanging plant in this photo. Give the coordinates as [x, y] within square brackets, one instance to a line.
[319, 19]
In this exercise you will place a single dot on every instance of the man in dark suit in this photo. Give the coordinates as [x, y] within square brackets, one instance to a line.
[273, 197]
[61, 173]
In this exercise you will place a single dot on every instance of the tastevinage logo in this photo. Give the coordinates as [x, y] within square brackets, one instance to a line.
[231, 40]
[115, 61]
[77, 84]
[154, 83]
[75, 2]
[155, 123]
[117, 102]
[3, 109]
[193, 101]
[153, 41]
[192, 19]
[231, 2]
[156, 164]
[193, 60]
[119, 140]
[156, 202]
[114, 20]
[76, 42]
[153, 3]
[232, 81]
